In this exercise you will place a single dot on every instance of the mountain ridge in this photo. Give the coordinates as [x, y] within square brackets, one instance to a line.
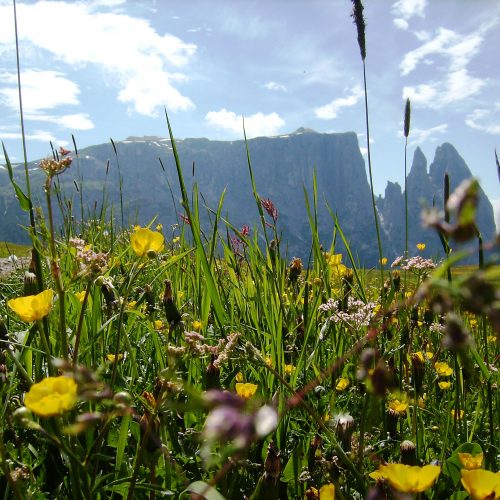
[283, 165]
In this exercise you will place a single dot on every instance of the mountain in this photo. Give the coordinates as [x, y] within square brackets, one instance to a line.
[425, 189]
[283, 165]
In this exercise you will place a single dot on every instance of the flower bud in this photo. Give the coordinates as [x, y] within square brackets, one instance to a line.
[30, 284]
[408, 453]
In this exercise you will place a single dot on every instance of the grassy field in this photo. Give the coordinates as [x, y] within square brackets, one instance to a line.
[7, 249]
[193, 362]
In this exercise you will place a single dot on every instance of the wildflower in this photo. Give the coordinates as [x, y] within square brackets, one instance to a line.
[344, 428]
[80, 295]
[158, 324]
[112, 357]
[408, 478]
[408, 452]
[159, 227]
[269, 207]
[246, 390]
[32, 307]
[131, 305]
[268, 360]
[239, 377]
[335, 263]
[342, 384]
[443, 369]
[144, 241]
[421, 246]
[12, 259]
[327, 492]
[383, 261]
[444, 385]
[289, 369]
[481, 484]
[53, 167]
[397, 407]
[52, 396]
[469, 461]
[176, 239]
[197, 325]
[423, 356]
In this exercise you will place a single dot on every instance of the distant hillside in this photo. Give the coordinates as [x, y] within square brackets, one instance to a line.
[282, 165]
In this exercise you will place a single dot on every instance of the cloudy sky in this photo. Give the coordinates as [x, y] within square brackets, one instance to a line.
[107, 68]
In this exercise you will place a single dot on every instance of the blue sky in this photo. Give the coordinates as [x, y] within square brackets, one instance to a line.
[106, 68]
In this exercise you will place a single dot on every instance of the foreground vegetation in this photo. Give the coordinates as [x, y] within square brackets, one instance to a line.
[206, 363]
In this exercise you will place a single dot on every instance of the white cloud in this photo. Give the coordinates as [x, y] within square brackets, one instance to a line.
[40, 90]
[330, 111]
[37, 135]
[76, 121]
[456, 86]
[256, 125]
[459, 49]
[401, 24]
[275, 86]
[409, 8]
[138, 59]
[482, 119]
[419, 136]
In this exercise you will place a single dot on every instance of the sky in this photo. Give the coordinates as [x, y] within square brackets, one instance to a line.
[103, 69]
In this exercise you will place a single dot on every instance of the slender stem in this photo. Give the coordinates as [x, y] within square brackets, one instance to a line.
[46, 346]
[375, 215]
[80, 323]
[56, 272]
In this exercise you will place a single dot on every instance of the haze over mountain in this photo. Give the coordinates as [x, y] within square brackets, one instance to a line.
[282, 165]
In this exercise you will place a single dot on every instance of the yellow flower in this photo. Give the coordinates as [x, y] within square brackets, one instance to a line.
[246, 391]
[289, 369]
[111, 357]
[176, 239]
[443, 369]
[335, 263]
[383, 261]
[444, 385]
[159, 227]
[423, 356]
[421, 246]
[268, 360]
[481, 484]
[469, 461]
[80, 295]
[52, 396]
[327, 492]
[342, 384]
[408, 478]
[143, 240]
[398, 407]
[197, 325]
[158, 324]
[131, 304]
[32, 307]
[239, 377]
[460, 414]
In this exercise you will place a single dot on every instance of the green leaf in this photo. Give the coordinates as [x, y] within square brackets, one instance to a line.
[453, 466]
[205, 490]
[24, 201]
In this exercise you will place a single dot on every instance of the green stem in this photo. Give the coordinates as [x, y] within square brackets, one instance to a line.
[375, 215]
[80, 323]
[56, 273]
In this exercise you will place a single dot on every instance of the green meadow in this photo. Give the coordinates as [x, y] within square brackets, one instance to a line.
[199, 362]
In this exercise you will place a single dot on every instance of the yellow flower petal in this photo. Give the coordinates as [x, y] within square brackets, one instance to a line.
[469, 461]
[246, 391]
[52, 396]
[327, 492]
[408, 478]
[481, 484]
[32, 307]
[443, 369]
[342, 384]
[143, 240]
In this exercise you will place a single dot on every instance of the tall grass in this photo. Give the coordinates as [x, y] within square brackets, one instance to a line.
[204, 363]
